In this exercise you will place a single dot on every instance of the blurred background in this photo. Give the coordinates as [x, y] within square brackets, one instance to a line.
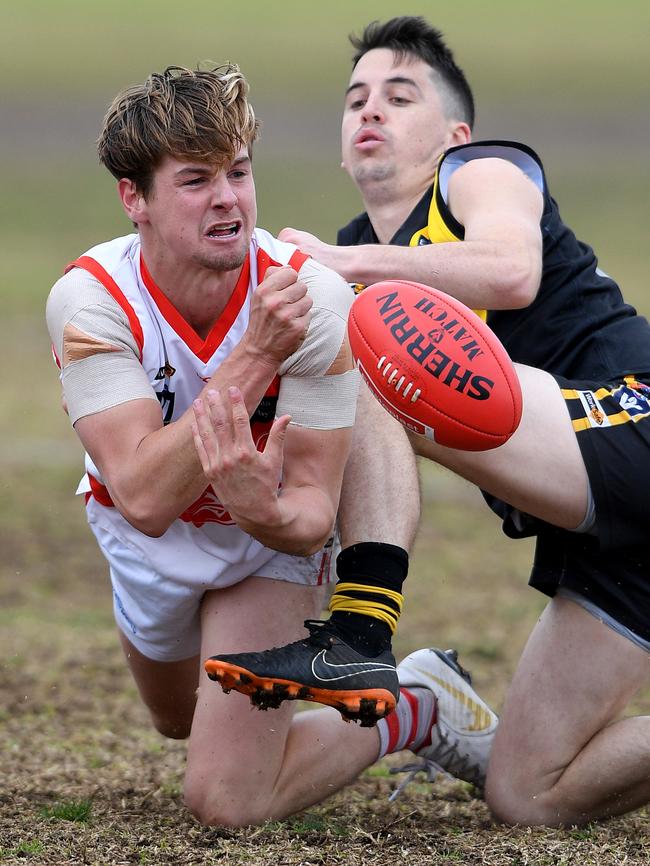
[570, 79]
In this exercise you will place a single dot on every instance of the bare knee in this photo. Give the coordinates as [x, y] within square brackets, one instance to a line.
[527, 801]
[225, 807]
[172, 728]
[509, 806]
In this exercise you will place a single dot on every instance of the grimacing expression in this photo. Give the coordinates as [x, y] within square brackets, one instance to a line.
[394, 124]
[203, 213]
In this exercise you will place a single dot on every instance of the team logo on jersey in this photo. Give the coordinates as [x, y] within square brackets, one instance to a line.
[207, 509]
[265, 411]
[165, 372]
[595, 413]
[633, 399]
[166, 398]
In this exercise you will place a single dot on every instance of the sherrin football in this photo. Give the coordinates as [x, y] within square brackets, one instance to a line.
[435, 365]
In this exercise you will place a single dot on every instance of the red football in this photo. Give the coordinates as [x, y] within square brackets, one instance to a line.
[435, 365]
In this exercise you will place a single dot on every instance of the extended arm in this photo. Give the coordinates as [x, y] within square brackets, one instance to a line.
[498, 266]
[152, 472]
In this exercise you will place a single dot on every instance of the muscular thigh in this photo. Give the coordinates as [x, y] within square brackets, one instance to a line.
[540, 470]
[235, 750]
[576, 675]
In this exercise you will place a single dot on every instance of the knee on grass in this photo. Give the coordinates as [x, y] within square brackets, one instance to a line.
[223, 809]
[172, 728]
[529, 807]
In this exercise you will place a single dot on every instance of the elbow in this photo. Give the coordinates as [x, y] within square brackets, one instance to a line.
[148, 524]
[150, 529]
[313, 541]
[518, 285]
[143, 516]
[316, 546]
[309, 545]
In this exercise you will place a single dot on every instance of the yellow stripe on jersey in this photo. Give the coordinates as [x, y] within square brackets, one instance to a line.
[599, 414]
[438, 232]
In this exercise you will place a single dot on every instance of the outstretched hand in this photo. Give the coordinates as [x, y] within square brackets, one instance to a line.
[244, 479]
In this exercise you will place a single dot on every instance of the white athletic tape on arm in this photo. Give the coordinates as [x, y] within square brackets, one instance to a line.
[102, 380]
[320, 402]
[332, 300]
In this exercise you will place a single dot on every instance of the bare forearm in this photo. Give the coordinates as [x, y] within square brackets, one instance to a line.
[299, 521]
[164, 476]
[481, 274]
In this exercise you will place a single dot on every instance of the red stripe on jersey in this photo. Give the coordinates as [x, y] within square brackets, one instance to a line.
[203, 349]
[324, 569]
[100, 492]
[297, 260]
[264, 262]
[93, 267]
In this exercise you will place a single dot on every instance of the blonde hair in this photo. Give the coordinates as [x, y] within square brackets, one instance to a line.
[201, 114]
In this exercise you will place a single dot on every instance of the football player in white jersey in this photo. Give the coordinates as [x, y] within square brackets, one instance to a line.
[206, 370]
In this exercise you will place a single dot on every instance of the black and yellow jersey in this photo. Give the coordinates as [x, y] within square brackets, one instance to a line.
[578, 325]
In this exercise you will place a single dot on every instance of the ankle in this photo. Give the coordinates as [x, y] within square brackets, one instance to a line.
[365, 634]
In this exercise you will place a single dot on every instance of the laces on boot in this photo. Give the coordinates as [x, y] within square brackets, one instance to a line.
[321, 632]
[443, 760]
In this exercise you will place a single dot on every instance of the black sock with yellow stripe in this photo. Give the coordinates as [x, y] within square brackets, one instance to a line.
[367, 599]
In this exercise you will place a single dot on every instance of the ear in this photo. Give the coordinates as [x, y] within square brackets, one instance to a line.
[459, 133]
[132, 199]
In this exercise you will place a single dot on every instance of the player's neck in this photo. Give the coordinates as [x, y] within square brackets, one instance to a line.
[388, 213]
[199, 294]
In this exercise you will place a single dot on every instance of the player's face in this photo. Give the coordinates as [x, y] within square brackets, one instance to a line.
[201, 213]
[394, 127]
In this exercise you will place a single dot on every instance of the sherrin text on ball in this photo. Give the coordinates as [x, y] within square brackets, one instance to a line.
[435, 365]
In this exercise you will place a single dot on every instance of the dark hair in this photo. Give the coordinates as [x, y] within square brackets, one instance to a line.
[201, 114]
[414, 36]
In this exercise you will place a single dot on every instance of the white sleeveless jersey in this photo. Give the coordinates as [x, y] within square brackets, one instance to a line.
[204, 542]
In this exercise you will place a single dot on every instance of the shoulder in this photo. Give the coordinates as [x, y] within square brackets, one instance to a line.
[328, 290]
[492, 161]
[77, 290]
[79, 303]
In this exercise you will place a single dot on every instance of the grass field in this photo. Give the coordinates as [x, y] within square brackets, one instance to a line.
[85, 778]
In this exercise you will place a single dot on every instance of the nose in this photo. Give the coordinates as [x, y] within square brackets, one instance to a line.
[372, 111]
[223, 196]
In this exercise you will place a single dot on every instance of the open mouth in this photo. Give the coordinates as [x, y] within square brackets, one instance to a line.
[224, 231]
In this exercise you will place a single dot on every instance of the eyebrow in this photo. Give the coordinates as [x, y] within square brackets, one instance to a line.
[205, 166]
[395, 79]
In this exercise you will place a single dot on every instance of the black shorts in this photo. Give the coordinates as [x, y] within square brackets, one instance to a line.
[610, 567]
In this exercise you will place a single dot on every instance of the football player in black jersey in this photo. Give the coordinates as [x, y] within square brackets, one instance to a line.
[477, 220]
